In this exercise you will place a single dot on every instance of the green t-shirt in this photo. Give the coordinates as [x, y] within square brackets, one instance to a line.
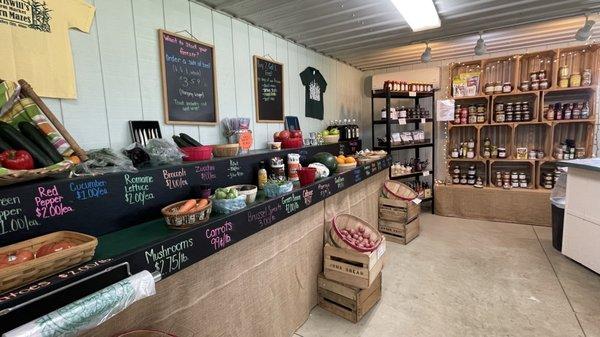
[315, 86]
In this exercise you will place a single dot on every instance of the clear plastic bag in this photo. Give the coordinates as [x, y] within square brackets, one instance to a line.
[103, 161]
[226, 206]
[163, 152]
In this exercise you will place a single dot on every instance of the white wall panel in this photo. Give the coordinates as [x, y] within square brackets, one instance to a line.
[118, 73]
[119, 67]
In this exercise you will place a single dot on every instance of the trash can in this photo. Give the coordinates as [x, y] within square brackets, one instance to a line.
[557, 198]
[558, 219]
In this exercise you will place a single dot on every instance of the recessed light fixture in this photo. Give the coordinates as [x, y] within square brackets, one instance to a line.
[420, 15]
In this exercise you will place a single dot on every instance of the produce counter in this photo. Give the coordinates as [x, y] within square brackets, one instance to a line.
[524, 206]
[290, 227]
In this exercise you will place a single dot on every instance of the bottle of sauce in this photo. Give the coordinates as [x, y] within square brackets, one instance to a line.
[262, 175]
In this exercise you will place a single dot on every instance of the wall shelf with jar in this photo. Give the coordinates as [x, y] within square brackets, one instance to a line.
[569, 104]
[496, 142]
[514, 108]
[577, 67]
[473, 173]
[462, 143]
[499, 75]
[572, 140]
[546, 174]
[511, 174]
[532, 141]
[536, 71]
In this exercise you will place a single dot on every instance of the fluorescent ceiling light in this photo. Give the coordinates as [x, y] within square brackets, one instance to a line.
[419, 14]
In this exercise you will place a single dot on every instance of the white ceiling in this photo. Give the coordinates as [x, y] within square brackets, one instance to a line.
[371, 34]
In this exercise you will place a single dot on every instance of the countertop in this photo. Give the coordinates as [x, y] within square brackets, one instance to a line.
[592, 164]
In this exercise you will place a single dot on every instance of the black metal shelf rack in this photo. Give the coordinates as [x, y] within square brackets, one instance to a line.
[388, 122]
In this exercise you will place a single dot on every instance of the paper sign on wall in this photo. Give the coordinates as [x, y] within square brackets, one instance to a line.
[445, 110]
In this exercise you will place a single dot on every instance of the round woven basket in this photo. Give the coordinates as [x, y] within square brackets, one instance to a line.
[348, 221]
[346, 167]
[396, 190]
[175, 220]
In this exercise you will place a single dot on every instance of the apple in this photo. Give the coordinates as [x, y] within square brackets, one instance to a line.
[296, 134]
[285, 134]
[276, 135]
[334, 132]
[324, 133]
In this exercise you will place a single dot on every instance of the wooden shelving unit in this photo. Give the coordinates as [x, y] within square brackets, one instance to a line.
[536, 134]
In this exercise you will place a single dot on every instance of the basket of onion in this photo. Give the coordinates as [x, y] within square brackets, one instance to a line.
[351, 232]
[187, 213]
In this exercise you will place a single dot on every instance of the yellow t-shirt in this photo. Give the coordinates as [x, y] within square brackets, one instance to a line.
[35, 46]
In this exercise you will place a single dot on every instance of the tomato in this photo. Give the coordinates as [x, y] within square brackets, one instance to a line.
[285, 134]
[296, 134]
[16, 258]
[53, 247]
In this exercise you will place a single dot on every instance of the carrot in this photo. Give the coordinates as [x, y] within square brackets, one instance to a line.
[199, 206]
[187, 206]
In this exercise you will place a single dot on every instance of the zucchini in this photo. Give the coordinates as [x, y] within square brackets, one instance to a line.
[34, 134]
[189, 139]
[180, 142]
[17, 141]
[4, 145]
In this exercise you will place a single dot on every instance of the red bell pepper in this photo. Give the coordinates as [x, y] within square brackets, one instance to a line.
[16, 160]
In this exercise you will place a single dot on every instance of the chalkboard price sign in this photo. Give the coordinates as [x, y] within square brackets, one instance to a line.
[268, 84]
[188, 80]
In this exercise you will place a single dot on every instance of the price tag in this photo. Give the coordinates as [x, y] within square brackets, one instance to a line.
[402, 121]
[380, 251]
[423, 120]
[245, 140]
[412, 94]
[425, 173]
[417, 201]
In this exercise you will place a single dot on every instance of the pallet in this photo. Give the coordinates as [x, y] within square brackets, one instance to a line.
[400, 232]
[353, 268]
[396, 210]
[348, 302]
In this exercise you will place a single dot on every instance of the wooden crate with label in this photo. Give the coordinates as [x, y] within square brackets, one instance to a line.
[351, 267]
[346, 301]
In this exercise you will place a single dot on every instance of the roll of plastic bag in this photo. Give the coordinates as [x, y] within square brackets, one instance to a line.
[90, 311]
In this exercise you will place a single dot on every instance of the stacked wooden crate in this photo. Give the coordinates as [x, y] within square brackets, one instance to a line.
[399, 219]
[351, 282]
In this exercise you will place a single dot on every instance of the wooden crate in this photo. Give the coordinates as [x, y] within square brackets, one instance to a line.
[398, 210]
[353, 268]
[400, 232]
[346, 301]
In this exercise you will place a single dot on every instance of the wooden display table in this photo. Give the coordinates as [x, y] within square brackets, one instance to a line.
[524, 206]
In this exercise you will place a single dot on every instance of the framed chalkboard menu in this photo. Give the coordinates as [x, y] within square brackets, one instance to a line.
[188, 80]
[268, 84]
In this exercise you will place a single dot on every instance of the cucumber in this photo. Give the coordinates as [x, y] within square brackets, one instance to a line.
[34, 134]
[17, 141]
[4, 145]
[189, 139]
[180, 142]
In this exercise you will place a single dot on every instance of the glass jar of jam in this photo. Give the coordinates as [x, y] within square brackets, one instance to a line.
[501, 152]
[480, 108]
[489, 88]
[507, 87]
[535, 85]
[544, 84]
[509, 107]
[509, 117]
[480, 117]
[525, 86]
[471, 171]
[500, 117]
[499, 107]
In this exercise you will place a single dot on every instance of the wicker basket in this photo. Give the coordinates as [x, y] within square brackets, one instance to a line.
[144, 333]
[175, 220]
[346, 167]
[226, 150]
[9, 177]
[23, 273]
[342, 221]
[396, 190]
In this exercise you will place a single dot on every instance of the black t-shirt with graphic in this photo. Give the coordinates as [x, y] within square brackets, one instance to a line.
[315, 87]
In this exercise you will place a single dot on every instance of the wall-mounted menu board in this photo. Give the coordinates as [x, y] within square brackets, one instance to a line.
[268, 84]
[188, 80]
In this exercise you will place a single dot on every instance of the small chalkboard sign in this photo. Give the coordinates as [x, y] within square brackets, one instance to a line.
[188, 80]
[268, 84]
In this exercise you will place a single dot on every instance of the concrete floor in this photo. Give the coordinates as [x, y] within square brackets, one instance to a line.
[475, 278]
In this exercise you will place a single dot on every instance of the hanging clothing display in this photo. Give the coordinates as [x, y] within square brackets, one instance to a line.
[315, 85]
[34, 35]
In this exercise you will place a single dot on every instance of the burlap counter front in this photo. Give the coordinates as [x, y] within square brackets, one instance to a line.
[264, 285]
[518, 206]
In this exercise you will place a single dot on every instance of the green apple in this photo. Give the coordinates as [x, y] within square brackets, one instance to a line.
[334, 132]
[324, 133]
